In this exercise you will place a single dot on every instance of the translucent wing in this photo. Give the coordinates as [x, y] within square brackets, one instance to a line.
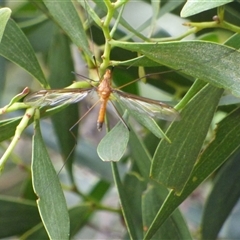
[56, 97]
[146, 106]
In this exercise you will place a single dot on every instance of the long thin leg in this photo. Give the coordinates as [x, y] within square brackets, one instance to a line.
[85, 114]
[119, 116]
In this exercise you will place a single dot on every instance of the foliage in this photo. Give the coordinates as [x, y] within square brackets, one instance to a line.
[153, 176]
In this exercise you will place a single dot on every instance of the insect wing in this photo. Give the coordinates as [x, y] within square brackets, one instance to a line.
[152, 108]
[140, 114]
[56, 97]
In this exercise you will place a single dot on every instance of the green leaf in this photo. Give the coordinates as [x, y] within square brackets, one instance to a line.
[5, 14]
[51, 202]
[8, 128]
[67, 17]
[110, 149]
[13, 104]
[134, 186]
[91, 12]
[214, 63]
[15, 212]
[225, 143]
[140, 154]
[16, 48]
[193, 7]
[79, 214]
[173, 163]
[196, 87]
[174, 227]
[223, 197]
[126, 208]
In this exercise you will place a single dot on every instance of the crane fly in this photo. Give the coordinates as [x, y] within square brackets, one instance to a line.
[106, 92]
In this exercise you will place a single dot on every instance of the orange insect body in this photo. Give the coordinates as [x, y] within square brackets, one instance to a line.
[104, 91]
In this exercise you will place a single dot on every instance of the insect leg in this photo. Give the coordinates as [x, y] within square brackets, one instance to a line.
[119, 116]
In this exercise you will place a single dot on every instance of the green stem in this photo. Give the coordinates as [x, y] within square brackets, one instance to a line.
[202, 25]
[13, 107]
[16, 159]
[93, 202]
[170, 39]
[22, 125]
[214, 24]
[119, 3]
[107, 36]
[109, 209]
[229, 26]
[220, 13]
[111, 7]
[14, 100]
[117, 22]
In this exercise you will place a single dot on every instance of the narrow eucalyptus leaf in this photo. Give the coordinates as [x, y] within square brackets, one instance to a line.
[67, 17]
[4, 16]
[215, 63]
[16, 48]
[193, 7]
[173, 163]
[51, 201]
